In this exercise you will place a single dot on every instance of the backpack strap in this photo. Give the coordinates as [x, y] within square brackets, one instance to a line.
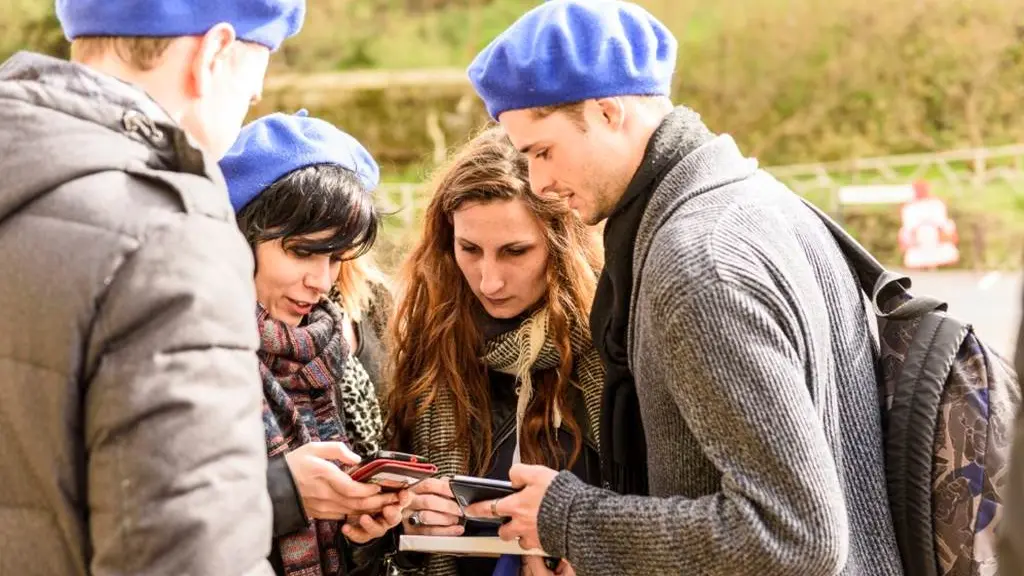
[910, 442]
[880, 284]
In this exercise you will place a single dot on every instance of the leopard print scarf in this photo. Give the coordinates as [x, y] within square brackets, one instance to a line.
[360, 409]
[523, 350]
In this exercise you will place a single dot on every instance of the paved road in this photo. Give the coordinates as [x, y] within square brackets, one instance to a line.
[989, 301]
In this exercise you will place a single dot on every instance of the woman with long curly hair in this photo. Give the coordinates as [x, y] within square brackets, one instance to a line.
[491, 359]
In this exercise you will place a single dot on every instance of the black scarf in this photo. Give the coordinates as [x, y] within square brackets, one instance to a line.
[623, 445]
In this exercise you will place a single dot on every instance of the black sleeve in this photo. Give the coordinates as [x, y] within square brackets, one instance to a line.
[288, 513]
[381, 557]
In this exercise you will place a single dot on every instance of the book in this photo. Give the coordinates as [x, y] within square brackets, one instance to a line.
[464, 545]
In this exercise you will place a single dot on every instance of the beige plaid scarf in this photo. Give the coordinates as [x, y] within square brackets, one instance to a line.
[519, 352]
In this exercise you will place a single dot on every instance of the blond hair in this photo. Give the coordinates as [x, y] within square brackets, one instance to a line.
[142, 53]
[355, 285]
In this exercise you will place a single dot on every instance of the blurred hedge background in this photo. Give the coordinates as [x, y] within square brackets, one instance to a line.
[794, 81]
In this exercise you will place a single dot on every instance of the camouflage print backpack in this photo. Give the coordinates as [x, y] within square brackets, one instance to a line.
[948, 409]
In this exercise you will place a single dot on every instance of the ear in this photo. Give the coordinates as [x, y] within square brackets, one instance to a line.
[613, 112]
[211, 56]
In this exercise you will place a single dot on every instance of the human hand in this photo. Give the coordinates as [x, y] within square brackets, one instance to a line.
[365, 527]
[521, 508]
[327, 493]
[433, 510]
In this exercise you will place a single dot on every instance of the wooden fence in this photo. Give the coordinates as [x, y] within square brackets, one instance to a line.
[960, 171]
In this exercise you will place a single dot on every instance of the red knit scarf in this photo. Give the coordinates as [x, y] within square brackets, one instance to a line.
[299, 367]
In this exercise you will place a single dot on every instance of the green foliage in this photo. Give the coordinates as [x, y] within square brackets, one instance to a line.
[31, 24]
[792, 80]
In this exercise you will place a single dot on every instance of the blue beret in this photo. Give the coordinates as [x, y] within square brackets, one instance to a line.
[278, 144]
[571, 50]
[265, 22]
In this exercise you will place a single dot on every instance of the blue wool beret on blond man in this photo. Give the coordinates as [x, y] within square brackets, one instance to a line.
[278, 144]
[571, 50]
[264, 22]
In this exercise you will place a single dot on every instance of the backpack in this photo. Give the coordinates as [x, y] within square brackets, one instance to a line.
[948, 405]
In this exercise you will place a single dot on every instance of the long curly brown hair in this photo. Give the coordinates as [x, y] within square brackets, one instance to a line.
[435, 343]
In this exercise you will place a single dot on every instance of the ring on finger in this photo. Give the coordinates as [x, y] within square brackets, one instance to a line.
[414, 519]
[494, 508]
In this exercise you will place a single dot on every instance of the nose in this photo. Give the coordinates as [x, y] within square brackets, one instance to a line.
[491, 279]
[318, 277]
[540, 178]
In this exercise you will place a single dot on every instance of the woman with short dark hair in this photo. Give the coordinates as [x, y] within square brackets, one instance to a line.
[302, 192]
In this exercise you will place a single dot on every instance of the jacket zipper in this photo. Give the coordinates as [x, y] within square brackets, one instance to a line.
[506, 431]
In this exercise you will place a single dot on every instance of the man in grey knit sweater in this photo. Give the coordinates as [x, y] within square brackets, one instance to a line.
[742, 431]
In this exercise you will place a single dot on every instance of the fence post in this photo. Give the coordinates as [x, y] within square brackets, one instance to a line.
[978, 179]
[408, 204]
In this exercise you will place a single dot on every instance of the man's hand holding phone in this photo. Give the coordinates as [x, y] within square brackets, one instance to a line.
[433, 510]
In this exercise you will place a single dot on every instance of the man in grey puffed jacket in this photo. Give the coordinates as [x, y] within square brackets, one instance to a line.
[131, 438]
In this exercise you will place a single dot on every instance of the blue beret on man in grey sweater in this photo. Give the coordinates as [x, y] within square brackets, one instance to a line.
[567, 51]
[264, 22]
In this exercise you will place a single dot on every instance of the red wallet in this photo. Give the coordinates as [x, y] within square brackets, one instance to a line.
[393, 475]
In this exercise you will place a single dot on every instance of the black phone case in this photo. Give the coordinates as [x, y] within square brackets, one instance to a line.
[392, 455]
[468, 490]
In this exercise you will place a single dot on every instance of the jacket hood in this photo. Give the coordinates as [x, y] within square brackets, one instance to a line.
[60, 121]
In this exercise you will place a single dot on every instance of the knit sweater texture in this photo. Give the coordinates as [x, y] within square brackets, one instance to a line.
[755, 371]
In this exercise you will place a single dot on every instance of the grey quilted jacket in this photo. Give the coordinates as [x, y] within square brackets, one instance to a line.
[130, 433]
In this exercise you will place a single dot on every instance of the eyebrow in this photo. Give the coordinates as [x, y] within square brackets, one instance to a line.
[522, 244]
[526, 149]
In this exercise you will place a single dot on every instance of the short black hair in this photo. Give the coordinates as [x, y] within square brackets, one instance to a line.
[311, 200]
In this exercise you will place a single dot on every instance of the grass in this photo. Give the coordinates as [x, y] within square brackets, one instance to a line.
[990, 221]
[1000, 197]
[351, 35]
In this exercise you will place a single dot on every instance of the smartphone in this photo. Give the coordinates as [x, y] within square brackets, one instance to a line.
[391, 455]
[470, 489]
[393, 471]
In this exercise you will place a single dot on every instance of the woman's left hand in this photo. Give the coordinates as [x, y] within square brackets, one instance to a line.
[365, 527]
[534, 566]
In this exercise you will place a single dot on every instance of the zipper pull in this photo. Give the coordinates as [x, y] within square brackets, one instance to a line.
[136, 122]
